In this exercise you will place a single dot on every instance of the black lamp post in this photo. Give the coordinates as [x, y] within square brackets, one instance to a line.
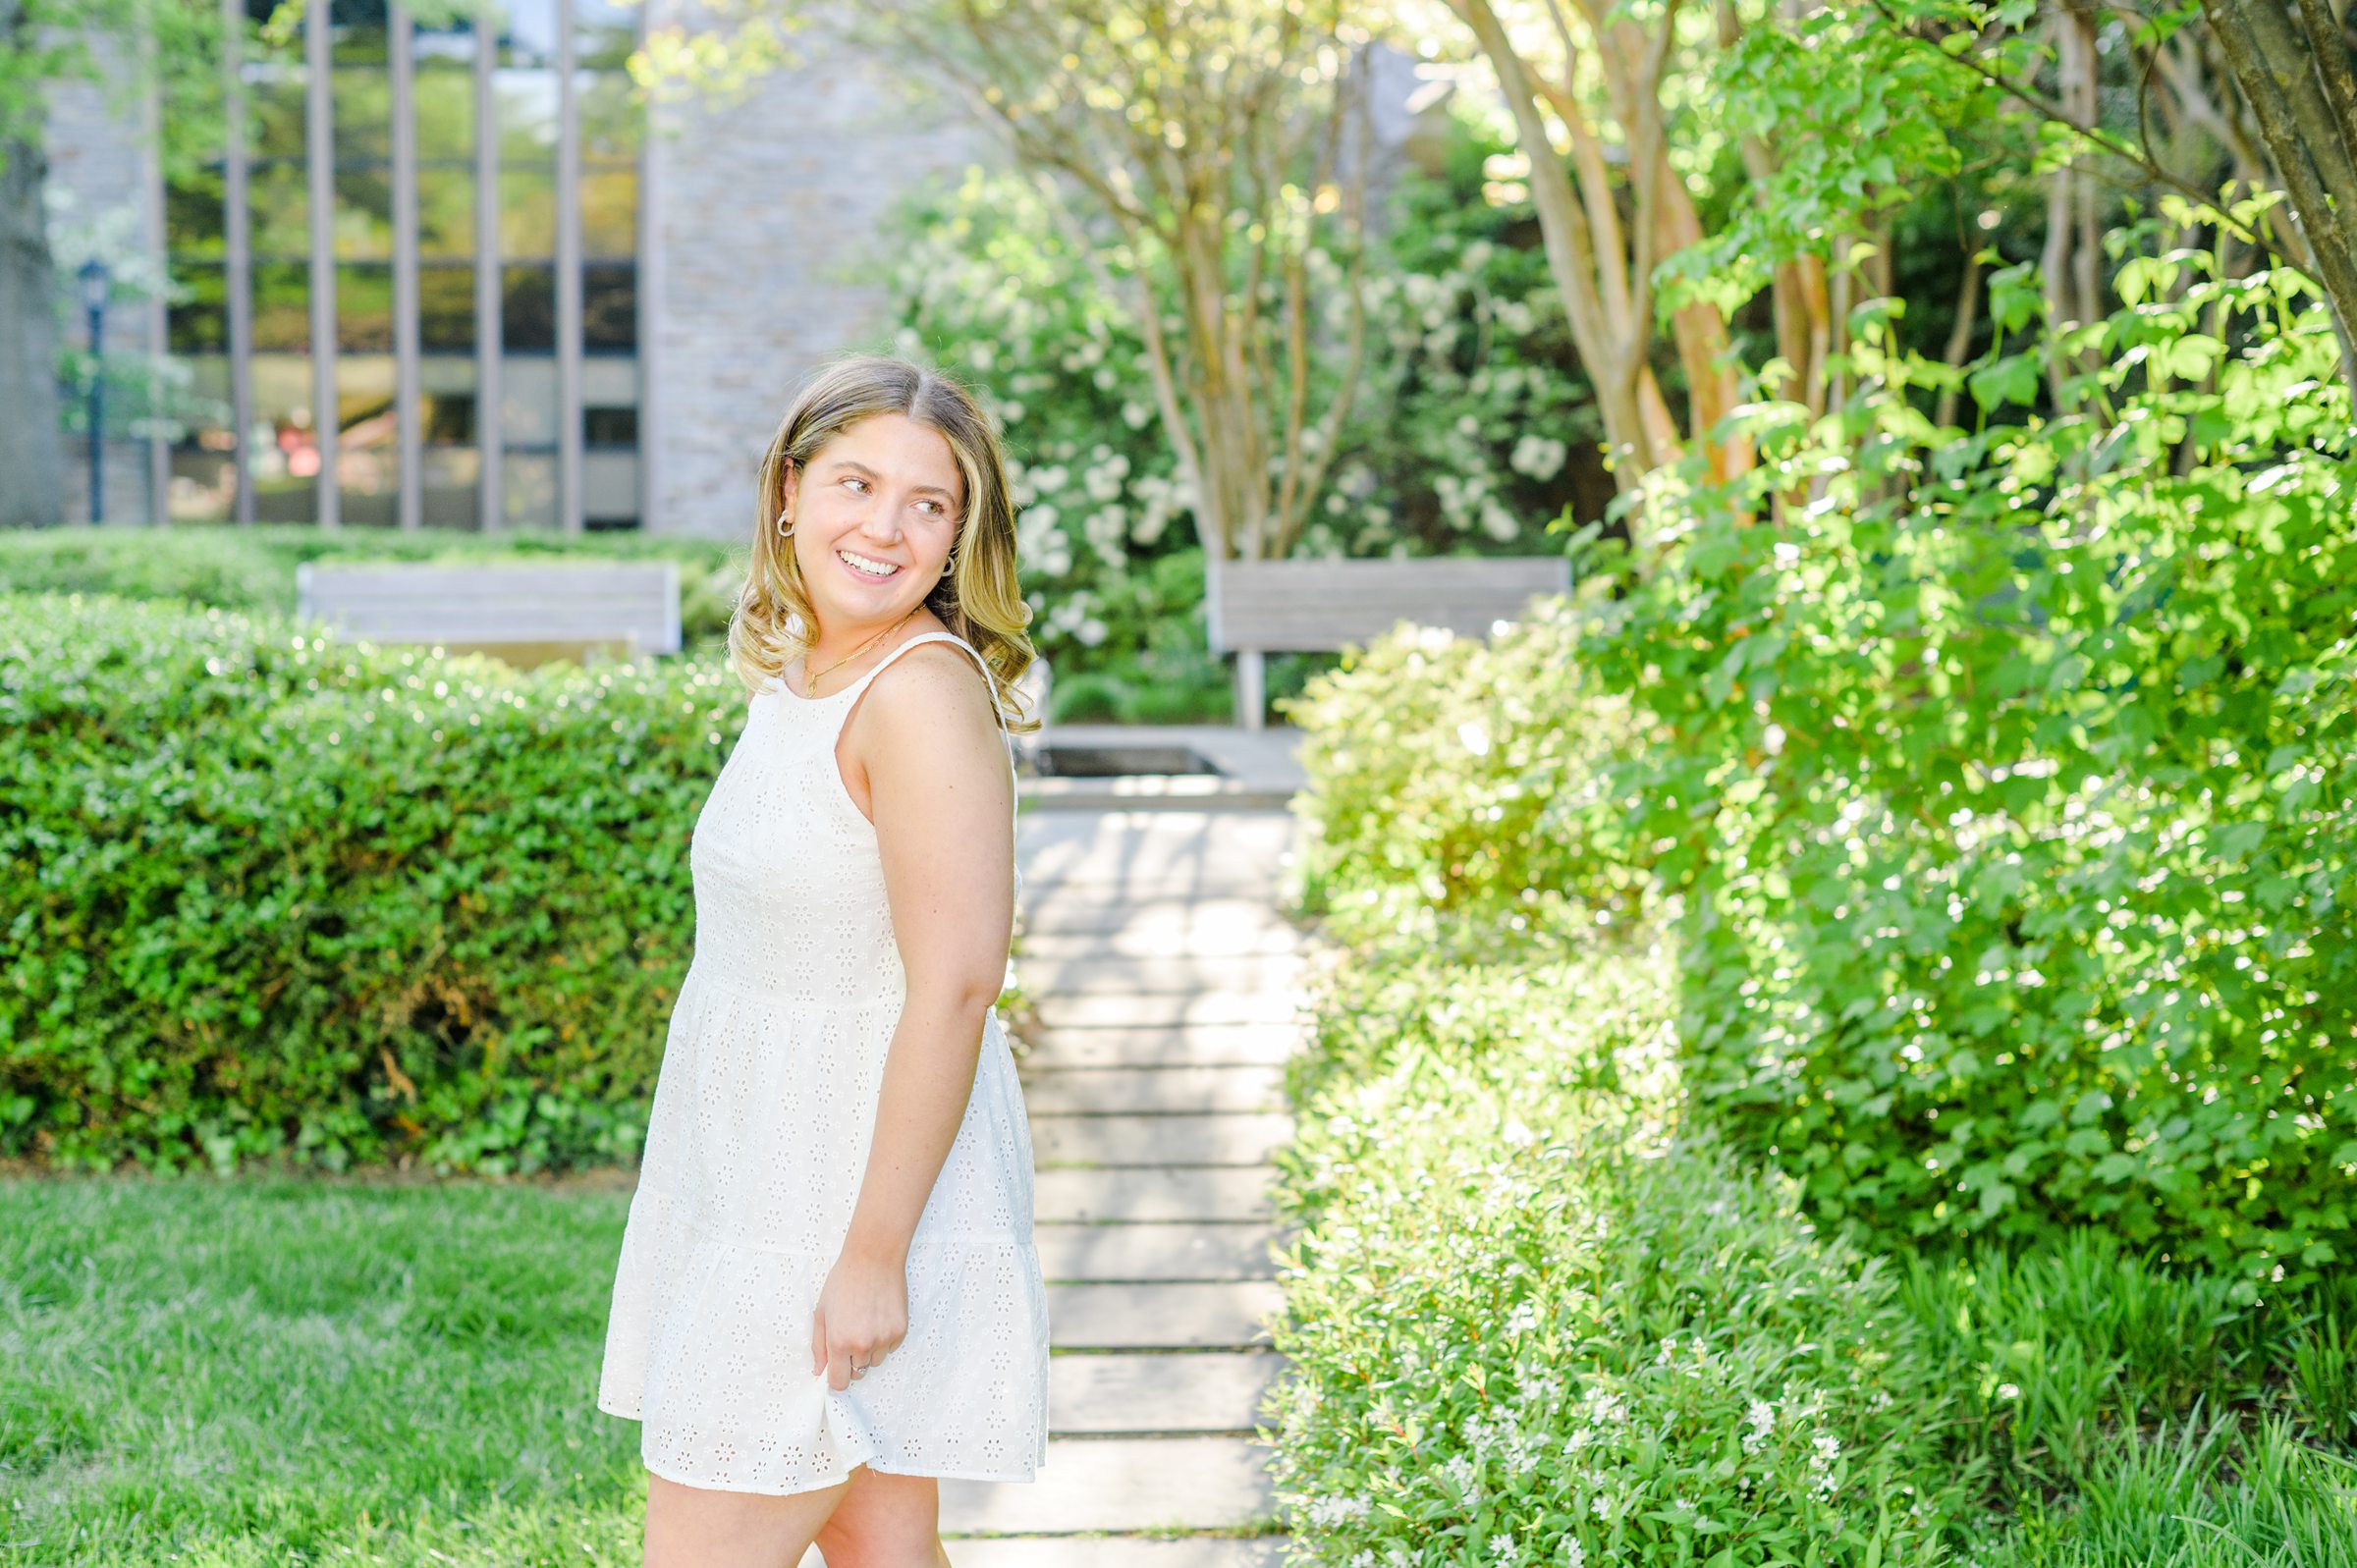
[93, 303]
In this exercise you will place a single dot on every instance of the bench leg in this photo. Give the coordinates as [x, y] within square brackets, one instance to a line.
[1250, 698]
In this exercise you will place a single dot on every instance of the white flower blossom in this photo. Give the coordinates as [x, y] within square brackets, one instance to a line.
[1604, 1408]
[1824, 1450]
[1328, 1512]
[1460, 1470]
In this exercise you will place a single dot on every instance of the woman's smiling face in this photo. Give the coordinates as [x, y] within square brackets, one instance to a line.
[887, 491]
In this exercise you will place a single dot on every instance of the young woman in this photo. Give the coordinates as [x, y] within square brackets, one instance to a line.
[828, 1294]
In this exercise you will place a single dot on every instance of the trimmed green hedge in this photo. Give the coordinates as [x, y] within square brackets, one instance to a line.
[272, 898]
[252, 569]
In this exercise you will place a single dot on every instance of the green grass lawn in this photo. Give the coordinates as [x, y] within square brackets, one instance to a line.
[206, 1371]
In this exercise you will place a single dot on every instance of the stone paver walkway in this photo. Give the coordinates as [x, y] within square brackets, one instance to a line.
[1167, 990]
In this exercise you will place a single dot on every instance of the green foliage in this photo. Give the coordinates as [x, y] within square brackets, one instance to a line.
[2054, 1352]
[1477, 423]
[275, 898]
[252, 568]
[1457, 774]
[2006, 776]
[1508, 1205]
[1527, 1321]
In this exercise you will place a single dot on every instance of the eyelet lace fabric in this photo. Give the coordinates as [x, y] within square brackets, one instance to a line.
[763, 1113]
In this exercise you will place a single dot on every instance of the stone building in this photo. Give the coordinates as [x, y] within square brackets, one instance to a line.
[636, 301]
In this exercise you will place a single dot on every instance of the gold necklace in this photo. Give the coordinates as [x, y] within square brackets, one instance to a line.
[810, 681]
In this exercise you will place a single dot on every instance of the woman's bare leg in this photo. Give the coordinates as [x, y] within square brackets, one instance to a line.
[693, 1527]
[886, 1521]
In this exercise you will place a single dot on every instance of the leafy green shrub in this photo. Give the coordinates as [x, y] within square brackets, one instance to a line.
[2009, 782]
[1527, 1322]
[1458, 775]
[252, 567]
[1445, 985]
[272, 898]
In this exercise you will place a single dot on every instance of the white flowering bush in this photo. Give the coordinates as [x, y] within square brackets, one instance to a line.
[1477, 427]
[987, 287]
[1533, 1321]
[1473, 430]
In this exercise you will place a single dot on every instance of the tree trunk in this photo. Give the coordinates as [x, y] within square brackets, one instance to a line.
[2073, 237]
[32, 477]
[1573, 261]
[2296, 78]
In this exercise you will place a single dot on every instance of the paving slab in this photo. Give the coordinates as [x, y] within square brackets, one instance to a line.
[1200, 1044]
[1156, 1249]
[1117, 1551]
[1158, 835]
[1186, 974]
[1221, 1314]
[1167, 986]
[1057, 1011]
[1213, 1390]
[1178, 923]
[1138, 938]
[1050, 1090]
[1122, 1484]
[1186, 1138]
[1161, 1192]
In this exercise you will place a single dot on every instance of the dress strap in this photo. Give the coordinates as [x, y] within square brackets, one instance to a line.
[998, 711]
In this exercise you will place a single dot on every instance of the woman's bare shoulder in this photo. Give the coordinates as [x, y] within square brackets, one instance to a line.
[933, 691]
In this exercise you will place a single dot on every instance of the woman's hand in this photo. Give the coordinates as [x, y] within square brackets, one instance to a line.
[862, 1317]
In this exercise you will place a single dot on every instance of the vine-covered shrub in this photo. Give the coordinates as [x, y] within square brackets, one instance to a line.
[251, 567]
[271, 897]
[2011, 777]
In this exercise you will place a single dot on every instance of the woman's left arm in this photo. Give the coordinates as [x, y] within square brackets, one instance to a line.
[940, 798]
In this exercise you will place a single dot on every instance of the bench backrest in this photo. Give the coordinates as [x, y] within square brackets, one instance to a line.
[637, 601]
[1311, 606]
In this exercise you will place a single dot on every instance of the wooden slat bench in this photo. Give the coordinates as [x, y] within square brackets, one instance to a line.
[1260, 607]
[532, 610]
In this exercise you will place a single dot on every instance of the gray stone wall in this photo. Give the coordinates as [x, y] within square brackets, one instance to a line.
[103, 198]
[761, 253]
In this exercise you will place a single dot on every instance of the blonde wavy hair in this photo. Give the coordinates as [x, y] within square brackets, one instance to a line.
[978, 600]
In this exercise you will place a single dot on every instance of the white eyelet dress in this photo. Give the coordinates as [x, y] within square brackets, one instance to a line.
[764, 1109]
